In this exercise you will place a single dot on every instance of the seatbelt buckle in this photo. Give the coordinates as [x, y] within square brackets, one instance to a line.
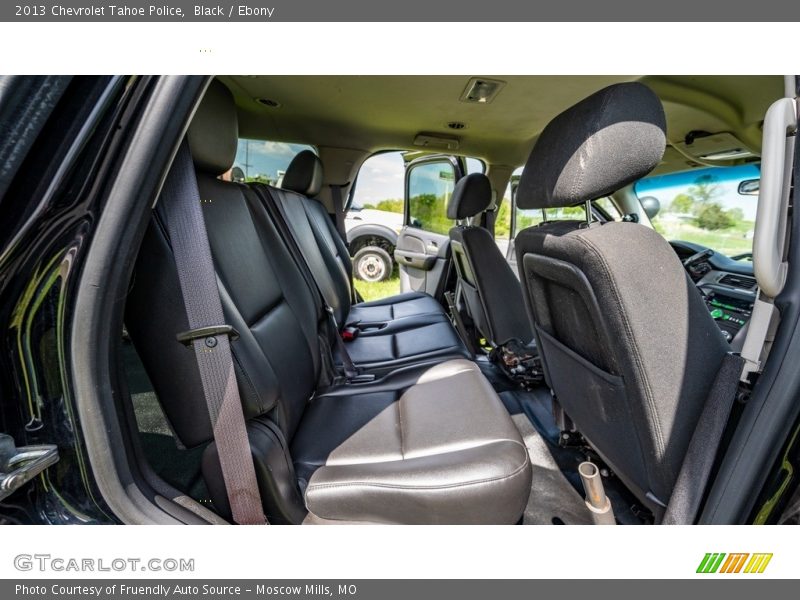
[210, 334]
[350, 333]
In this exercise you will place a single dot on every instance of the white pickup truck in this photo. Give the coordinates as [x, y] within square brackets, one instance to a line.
[372, 236]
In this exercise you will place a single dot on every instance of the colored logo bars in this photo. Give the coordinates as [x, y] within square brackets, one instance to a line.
[719, 562]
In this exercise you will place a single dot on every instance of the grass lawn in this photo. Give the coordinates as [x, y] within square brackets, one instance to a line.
[381, 289]
[731, 241]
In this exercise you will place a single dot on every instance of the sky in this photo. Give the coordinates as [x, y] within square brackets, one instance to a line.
[381, 177]
[256, 157]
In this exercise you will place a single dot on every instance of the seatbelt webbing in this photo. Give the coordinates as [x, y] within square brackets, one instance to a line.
[281, 219]
[338, 213]
[699, 460]
[198, 282]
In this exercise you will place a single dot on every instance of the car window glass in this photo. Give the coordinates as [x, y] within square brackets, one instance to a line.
[263, 161]
[713, 207]
[379, 185]
[430, 186]
[475, 165]
[609, 207]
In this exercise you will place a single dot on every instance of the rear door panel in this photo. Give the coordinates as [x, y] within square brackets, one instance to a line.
[423, 246]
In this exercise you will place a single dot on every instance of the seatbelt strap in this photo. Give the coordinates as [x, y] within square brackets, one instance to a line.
[338, 213]
[209, 337]
[348, 366]
[275, 209]
[695, 472]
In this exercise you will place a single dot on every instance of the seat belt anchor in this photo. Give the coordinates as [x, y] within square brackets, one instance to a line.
[210, 334]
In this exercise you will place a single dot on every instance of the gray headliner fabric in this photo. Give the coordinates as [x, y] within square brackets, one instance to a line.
[471, 196]
[304, 174]
[214, 131]
[612, 138]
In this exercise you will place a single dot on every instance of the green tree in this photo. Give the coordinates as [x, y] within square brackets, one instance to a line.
[704, 189]
[427, 212]
[736, 214]
[260, 178]
[712, 217]
[393, 205]
[574, 212]
[502, 223]
[682, 204]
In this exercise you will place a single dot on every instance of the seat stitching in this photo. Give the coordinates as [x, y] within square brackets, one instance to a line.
[400, 421]
[422, 487]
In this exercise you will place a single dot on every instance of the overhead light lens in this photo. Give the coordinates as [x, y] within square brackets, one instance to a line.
[481, 90]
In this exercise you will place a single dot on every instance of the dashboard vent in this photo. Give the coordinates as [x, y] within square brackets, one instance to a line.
[738, 281]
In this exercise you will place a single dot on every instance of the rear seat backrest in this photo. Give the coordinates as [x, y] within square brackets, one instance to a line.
[265, 298]
[328, 272]
[305, 176]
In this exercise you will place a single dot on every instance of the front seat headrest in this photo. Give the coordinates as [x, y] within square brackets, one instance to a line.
[612, 138]
[214, 131]
[471, 196]
[304, 174]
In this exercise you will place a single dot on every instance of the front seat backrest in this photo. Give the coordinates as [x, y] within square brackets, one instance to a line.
[490, 289]
[627, 343]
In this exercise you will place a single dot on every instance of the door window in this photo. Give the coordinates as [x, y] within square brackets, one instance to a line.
[430, 185]
[263, 161]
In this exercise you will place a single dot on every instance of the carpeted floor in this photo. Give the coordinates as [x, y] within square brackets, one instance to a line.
[557, 491]
[553, 499]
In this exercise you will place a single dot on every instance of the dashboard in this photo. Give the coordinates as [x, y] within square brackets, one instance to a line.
[728, 286]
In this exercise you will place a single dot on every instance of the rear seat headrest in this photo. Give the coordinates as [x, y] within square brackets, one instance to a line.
[471, 196]
[304, 174]
[214, 131]
[606, 141]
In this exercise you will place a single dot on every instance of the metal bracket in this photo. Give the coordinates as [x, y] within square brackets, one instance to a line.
[187, 337]
[19, 465]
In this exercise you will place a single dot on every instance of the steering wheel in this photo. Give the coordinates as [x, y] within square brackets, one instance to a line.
[696, 258]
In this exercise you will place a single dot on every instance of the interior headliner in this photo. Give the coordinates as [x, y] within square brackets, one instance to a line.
[372, 113]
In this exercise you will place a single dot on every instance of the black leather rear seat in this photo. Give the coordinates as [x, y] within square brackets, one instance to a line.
[421, 445]
[394, 331]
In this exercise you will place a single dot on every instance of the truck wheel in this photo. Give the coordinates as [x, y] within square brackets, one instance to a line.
[372, 264]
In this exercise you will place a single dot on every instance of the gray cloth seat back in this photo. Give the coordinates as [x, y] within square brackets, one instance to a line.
[490, 290]
[626, 341]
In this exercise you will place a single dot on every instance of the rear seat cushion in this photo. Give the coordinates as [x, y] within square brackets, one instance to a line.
[410, 304]
[437, 448]
[395, 349]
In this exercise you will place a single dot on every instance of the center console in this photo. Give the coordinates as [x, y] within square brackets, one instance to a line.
[729, 298]
[730, 314]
